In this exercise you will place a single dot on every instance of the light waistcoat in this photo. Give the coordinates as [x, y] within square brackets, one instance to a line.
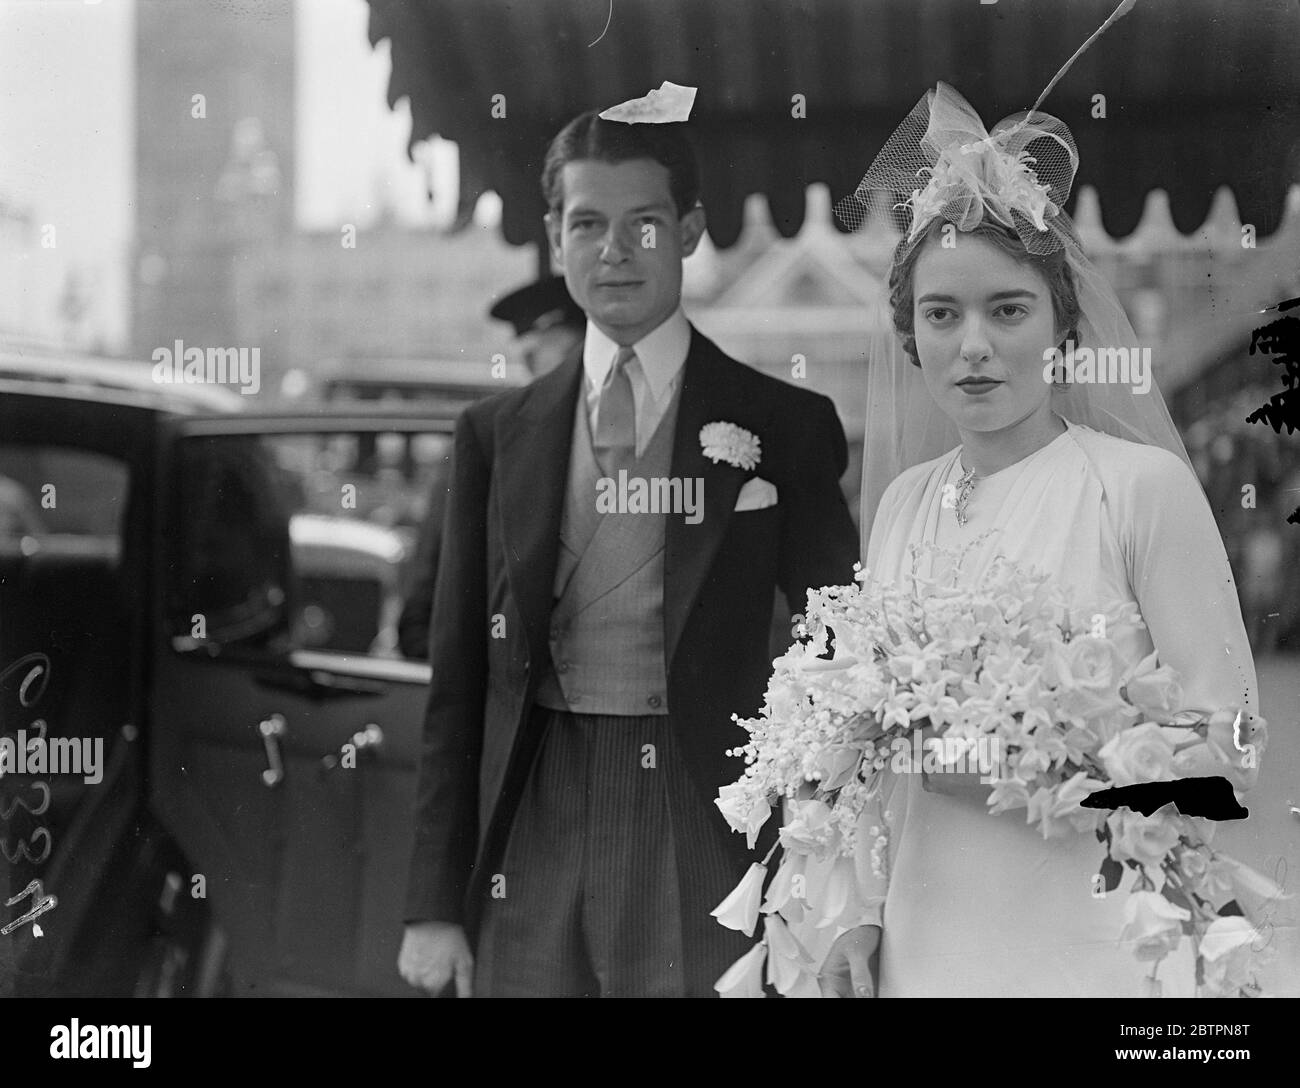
[607, 626]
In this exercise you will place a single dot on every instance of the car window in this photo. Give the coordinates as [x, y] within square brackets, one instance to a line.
[227, 544]
[362, 531]
[354, 516]
[57, 498]
[67, 614]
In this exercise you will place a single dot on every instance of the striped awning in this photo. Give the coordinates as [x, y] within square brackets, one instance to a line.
[1198, 93]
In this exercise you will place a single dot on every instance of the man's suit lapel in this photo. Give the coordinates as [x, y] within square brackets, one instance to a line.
[689, 549]
[534, 465]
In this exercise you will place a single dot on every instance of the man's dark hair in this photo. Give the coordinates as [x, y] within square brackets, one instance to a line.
[588, 137]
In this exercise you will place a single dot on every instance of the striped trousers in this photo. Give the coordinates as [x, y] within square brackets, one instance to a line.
[612, 864]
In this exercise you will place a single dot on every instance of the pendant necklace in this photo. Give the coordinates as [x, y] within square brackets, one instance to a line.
[965, 485]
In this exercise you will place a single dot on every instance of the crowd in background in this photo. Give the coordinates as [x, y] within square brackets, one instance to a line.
[1252, 478]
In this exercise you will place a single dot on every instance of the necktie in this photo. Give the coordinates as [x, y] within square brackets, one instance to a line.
[615, 440]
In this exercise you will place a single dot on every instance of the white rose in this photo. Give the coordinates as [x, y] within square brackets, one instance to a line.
[1089, 663]
[742, 811]
[1141, 754]
[1145, 839]
[1154, 690]
[809, 829]
[1086, 672]
[1154, 924]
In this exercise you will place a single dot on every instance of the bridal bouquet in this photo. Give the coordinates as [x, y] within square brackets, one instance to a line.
[1008, 679]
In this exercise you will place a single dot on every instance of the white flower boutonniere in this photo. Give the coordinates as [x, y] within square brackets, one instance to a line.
[727, 442]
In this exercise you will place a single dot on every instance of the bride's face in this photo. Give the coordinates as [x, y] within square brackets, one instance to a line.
[982, 322]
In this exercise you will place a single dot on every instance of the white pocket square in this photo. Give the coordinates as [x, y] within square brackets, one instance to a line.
[757, 494]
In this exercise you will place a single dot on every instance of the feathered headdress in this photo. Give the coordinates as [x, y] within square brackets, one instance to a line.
[1019, 175]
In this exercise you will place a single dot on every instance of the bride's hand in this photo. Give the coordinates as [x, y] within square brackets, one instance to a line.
[850, 966]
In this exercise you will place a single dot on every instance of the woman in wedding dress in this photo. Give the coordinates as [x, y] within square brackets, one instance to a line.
[1085, 480]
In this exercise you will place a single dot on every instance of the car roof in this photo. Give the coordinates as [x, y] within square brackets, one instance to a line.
[452, 375]
[43, 372]
[48, 372]
[312, 417]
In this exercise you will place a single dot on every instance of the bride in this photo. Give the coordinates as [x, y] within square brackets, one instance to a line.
[1086, 480]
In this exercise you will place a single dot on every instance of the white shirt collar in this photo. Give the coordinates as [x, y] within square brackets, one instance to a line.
[661, 353]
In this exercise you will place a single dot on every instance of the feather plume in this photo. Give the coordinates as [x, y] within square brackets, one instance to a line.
[1124, 8]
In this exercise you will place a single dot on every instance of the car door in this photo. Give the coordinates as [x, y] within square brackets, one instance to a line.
[285, 725]
[73, 481]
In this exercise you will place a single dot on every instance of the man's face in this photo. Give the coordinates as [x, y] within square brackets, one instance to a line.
[621, 244]
[545, 349]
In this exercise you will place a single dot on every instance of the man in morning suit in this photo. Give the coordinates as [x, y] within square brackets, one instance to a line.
[590, 649]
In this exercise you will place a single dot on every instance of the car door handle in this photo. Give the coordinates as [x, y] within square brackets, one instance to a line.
[370, 739]
[272, 729]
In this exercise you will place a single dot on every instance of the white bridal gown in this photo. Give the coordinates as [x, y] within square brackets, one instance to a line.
[981, 905]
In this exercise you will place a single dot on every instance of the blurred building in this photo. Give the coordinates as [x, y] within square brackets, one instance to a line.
[219, 260]
[18, 242]
[800, 309]
[395, 292]
[214, 163]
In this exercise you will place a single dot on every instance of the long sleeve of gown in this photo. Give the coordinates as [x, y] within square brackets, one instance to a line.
[1180, 575]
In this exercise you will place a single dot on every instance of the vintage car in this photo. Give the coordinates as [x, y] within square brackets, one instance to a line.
[349, 582]
[206, 595]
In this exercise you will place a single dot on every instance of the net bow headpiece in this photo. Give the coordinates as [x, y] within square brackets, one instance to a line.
[943, 163]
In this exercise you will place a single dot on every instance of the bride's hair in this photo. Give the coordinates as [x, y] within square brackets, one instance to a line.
[1053, 267]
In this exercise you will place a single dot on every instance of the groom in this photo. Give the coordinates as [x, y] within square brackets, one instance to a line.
[602, 610]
